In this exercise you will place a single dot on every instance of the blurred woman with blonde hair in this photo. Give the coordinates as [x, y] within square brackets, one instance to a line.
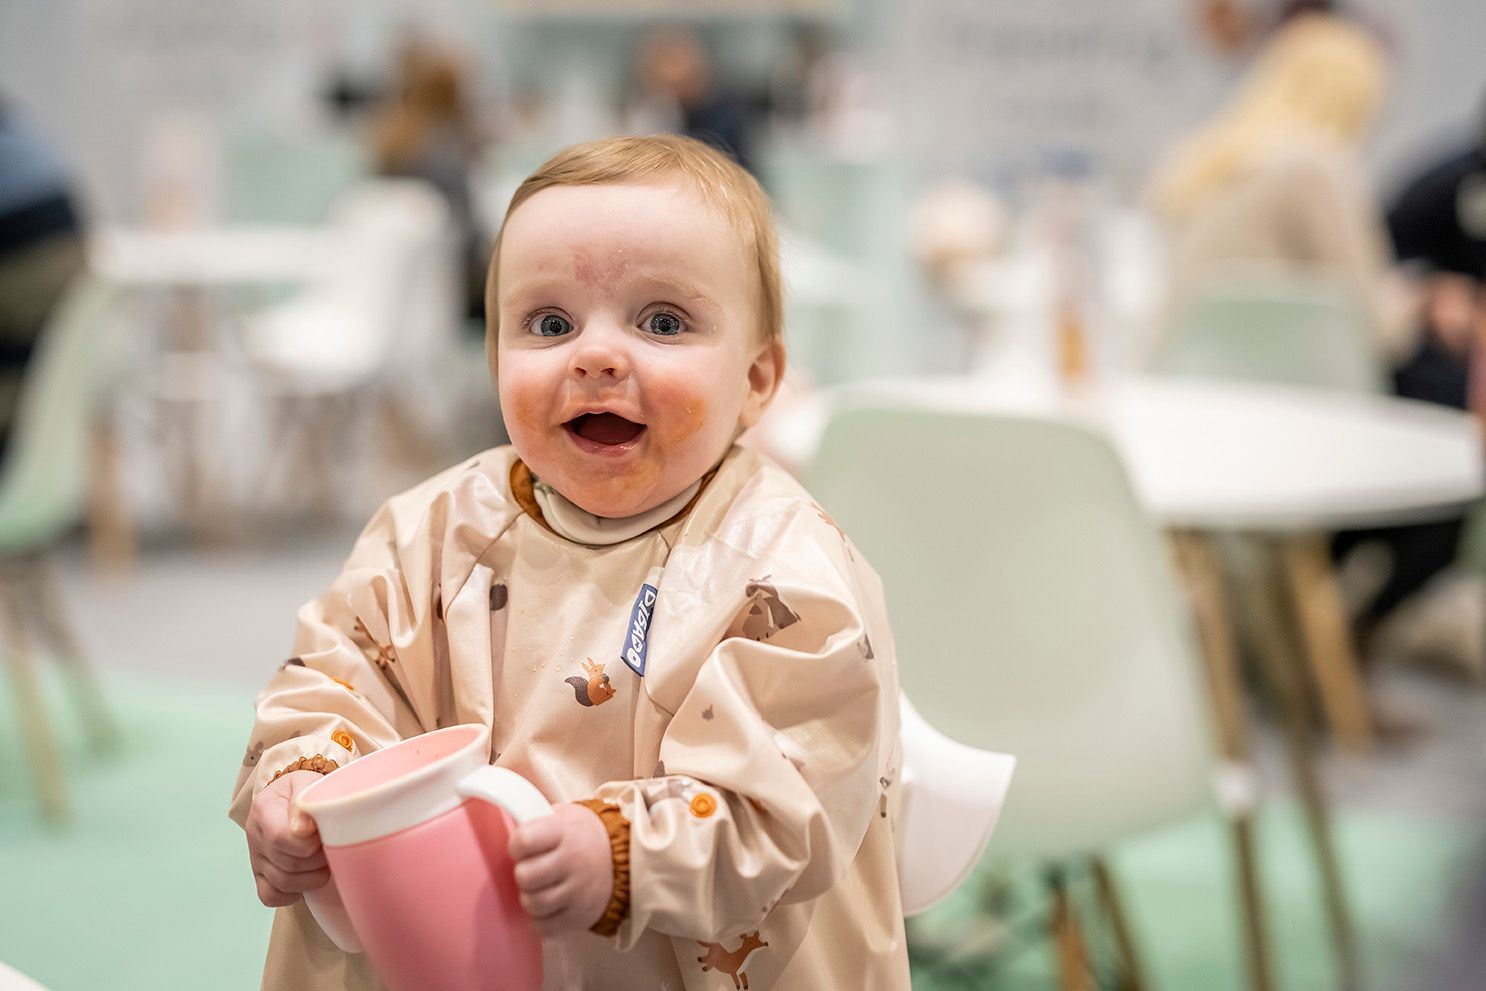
[1276, 180]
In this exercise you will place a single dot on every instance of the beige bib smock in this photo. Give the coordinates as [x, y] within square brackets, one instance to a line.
[748, 728]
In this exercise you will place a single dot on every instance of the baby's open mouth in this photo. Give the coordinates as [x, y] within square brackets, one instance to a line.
[605, 428]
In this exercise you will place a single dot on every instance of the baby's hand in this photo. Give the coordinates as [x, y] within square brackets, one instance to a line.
[564, 868]
[283, 845]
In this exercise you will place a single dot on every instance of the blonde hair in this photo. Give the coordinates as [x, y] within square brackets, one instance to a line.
[1319, 79]
[719, 180]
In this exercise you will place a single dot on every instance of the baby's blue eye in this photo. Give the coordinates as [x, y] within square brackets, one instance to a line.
[553, 325]
[664, 324]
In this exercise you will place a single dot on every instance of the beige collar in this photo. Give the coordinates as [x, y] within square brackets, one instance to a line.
[579, 525]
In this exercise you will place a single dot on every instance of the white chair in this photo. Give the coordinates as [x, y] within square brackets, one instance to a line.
[43, 489]
[375, 329]
[13, 980]
[951, 797]
[1034, 612]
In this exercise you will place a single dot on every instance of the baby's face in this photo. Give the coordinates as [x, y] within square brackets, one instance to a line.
[628, 355]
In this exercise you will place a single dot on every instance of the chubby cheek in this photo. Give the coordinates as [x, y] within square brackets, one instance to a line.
[685, 408]
[523, 409]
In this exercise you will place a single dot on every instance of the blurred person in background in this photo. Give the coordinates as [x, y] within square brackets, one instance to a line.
[1234, 28]
[1277, 178]
[678, 92]
[428, 131]
[41, 248]
[1438, 220]
[1438, 223]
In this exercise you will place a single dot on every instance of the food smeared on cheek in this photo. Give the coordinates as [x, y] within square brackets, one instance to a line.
[522, 406]
[690, 418]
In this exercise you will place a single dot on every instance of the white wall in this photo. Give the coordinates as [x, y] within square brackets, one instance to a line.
[101, 73]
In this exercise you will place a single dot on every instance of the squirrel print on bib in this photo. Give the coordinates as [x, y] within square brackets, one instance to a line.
[594, 690]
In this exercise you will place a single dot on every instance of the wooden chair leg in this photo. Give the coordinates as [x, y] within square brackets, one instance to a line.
[41, 749]
[1129, 976]
[1256, 939]
[328, 454]
[1069, 946]
[1281, 664]
[110, 531]
[1202, 569]
[100, 726]
[1323, 625]
[279, 429]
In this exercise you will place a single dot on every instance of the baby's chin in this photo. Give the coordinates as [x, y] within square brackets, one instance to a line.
[616, 505]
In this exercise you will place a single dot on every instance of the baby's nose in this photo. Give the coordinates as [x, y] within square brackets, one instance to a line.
[601, 353]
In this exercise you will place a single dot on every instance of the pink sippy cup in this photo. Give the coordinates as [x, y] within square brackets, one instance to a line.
[416, 838]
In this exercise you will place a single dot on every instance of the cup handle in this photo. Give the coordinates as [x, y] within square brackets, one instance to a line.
[330, 912]
[503, 787]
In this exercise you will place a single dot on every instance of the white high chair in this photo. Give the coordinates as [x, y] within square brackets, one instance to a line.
[952, 796]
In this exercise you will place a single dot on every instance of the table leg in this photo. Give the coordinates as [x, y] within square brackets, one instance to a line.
[1328, 642]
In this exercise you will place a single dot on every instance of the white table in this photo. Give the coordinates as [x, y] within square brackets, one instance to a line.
[206, 257]
[1223, 456]
[186, 267]
[1285, 464]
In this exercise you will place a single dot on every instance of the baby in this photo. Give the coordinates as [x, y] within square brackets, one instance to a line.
[661, 629]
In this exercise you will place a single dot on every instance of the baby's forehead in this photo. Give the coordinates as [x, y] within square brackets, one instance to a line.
[675, 205]
[609, 229]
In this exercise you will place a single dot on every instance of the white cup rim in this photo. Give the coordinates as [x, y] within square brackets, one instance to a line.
[388, 807]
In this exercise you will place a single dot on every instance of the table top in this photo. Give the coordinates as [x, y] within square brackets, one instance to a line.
[209, 256]
[1219, 455]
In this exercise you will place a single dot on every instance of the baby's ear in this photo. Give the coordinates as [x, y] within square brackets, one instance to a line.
[764, 376]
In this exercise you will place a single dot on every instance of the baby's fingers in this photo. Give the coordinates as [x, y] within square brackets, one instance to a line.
[272, 896]
[291, 864]
[285, 843]
[546, 905]
[535, 837]
[542, 871]
[292, 883]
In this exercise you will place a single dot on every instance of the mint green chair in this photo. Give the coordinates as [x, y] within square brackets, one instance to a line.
[288, 179]
[1273, 327]
[43, 491]
[1035, 613]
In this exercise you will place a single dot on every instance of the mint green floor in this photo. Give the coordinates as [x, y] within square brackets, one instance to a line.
[149, 888]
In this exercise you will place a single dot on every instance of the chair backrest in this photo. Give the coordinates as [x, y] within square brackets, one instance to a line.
[279, 179]
[396, 267]
[1287, 329]
[43, 480]
[1033, 611]
[386, 301]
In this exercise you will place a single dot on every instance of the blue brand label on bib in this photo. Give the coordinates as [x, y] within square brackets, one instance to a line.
[637, 636]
